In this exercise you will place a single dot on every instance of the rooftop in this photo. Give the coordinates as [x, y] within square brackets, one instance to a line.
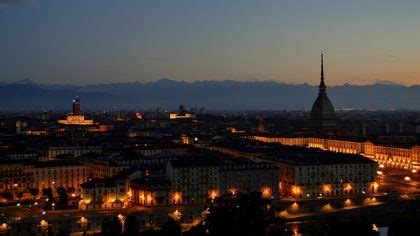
[291, 154]
[56, 163]
[151, 183]
[104, 182]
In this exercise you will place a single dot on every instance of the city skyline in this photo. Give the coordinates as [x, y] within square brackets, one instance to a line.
[209, 118]
[71, 42]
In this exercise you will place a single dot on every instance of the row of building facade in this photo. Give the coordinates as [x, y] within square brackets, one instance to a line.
[191, 179]
[390, 156]
[309, 173]
[21, 175]
[120, 179]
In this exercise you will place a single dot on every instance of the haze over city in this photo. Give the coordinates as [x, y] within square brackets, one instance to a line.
[101, 41]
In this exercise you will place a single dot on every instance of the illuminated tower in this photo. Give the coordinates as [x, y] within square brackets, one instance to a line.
[322, 114]
[76, 106]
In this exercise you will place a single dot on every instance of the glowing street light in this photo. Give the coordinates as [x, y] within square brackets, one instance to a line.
[43, 225]
[176, 215]
[266, 192]
[407, 179]
[375, 228]
[4, 228]
[380, 174]
[121, 218]
[176, 197]
[83, 224]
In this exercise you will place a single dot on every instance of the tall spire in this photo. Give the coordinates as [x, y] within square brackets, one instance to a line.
[322, 87]
[322, 66]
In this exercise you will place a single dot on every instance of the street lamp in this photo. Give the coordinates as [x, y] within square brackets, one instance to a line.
[176, 215]
[121, 218]
[4, 228]
[380, 173]
[407, 179]
[413, 172]
[43, 225]
[83, 224]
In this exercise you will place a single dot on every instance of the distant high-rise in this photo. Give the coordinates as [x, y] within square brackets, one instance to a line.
[323, 116]
[76, 106]
[182, 114]
[76, 117]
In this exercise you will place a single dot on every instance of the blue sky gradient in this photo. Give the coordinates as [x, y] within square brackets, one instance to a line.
[102, 41]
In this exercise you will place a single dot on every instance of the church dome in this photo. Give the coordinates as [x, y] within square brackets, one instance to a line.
[322, 109]
[322, 113]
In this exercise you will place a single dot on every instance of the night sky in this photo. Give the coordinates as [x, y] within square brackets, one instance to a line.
[101, 41]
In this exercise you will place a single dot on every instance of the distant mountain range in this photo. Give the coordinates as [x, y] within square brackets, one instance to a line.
[213, 95]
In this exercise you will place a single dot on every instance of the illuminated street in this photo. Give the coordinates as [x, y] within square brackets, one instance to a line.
[405, 182]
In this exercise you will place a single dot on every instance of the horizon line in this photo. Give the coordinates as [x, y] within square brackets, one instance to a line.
[31, 81]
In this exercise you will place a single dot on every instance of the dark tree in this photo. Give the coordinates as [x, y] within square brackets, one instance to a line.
[276, 227]
[403, 226]
[47, 192]
[63, 231]
[63, 198]
[241, 214]
[70, 190]
[220, 220]
[160, 200]
[50, 231]
[131, 227]
[198, 230]
[34, 192]
[349, 227]
[170, 228]
[19, 194]
[7, 195]
[111, 226]
[149, 232]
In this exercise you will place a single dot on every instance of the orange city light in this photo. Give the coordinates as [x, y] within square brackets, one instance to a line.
[233, 191]
[266, 192]
[348, 187]
[177, 196]
[213, 194]
[296, 190]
